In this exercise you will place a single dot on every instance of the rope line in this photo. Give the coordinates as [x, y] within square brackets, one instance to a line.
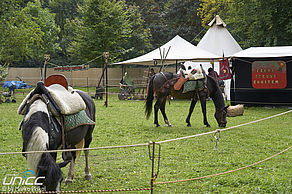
[81, 64]
[222, 173]
[146, 144]
[79, 191]
[220, 130]
[79, 149]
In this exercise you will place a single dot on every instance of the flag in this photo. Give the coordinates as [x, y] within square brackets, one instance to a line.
[224, 72]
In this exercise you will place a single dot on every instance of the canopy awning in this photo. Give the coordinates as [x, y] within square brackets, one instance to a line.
[176, 50]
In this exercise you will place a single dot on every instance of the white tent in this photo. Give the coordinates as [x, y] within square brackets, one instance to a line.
[176, 50]
[264, 52]
[218, 40]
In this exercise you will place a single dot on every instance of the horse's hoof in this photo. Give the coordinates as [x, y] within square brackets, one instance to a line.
[157, 125]
[209, 126]
[189, 125]
[88, 177]
[68, 181]
[168, 123]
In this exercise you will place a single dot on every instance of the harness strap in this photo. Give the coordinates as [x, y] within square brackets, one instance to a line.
[164, 76]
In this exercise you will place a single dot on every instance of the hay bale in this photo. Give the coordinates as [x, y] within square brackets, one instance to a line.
[233, 111]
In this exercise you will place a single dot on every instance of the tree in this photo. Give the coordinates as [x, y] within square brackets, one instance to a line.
[45, 21]
[27, 32]
[103, 26]
[210, 8]
[256, 22]
[262, 22]
[152, 14]
[17, 32]
[181, 19]
[3, 71]
[64, 10]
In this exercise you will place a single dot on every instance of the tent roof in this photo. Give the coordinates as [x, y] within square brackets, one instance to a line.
[178, 50]
[218, 40]
[263, 52]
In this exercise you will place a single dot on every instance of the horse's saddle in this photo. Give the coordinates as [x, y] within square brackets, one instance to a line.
[196, 73]
[191, 80]
[60, 102]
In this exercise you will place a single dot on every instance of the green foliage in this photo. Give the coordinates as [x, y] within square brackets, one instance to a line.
[27, 32]
[210, 8]
[181, 19]
[256, 22]
[104, 26]
[262, 23]
[45, 21]
[17, 32]
[64, 10]
[3, 71]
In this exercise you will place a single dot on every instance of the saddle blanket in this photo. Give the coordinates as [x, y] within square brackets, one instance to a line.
[192, 85]
[76, 120]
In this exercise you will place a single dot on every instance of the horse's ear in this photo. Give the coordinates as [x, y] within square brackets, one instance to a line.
[63, 164]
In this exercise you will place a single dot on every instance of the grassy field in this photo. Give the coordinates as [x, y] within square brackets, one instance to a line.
[124, 123]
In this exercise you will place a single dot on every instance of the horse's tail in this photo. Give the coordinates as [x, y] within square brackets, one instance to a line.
[150, 98]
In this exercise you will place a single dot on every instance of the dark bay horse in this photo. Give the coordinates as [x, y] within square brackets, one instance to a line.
[156, 85]
[41, 132]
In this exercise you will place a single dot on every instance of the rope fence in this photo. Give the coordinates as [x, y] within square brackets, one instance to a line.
[153, 158]
[80, 191]
[227, 172]
[220, 130]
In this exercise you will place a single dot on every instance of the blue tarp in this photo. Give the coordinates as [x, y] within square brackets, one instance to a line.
[18, 84]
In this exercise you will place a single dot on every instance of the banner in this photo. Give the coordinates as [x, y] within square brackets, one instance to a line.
[269, 74]
[225, 72]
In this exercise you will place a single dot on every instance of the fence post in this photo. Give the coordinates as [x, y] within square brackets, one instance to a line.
[152, 157]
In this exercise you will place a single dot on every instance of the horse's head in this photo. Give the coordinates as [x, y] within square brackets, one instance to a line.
[51, 171]
[220, 116]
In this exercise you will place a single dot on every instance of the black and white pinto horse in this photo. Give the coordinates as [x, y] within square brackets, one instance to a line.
[162, 84]
[37, 128]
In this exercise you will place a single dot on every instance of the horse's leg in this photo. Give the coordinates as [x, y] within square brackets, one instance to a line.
[87, 169]
[156, 109]
[70, 175]
[193, 104]
[88, 139]
[203, 97]
[162, 109]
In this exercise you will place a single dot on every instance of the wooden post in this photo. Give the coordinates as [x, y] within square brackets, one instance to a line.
[106, 56]
[44, 74]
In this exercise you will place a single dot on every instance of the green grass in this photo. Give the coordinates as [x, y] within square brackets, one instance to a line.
[124, 123]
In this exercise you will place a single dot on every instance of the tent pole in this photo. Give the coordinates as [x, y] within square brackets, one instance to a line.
[176, 66]
[123, 70]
